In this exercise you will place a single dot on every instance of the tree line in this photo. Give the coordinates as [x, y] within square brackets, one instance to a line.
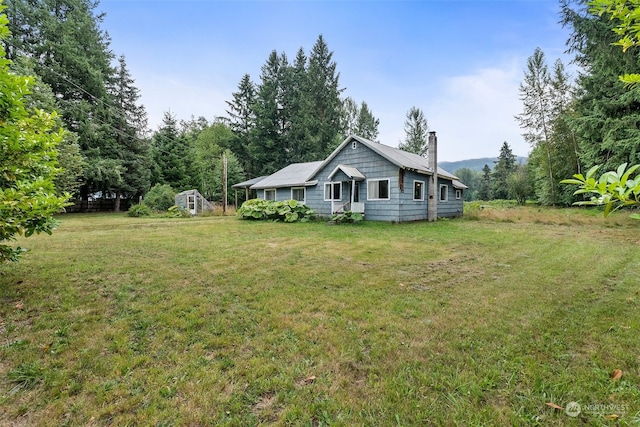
[297, 111]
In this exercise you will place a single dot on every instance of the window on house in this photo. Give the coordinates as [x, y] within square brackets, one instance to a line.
[354, 145]
[298, 193]
[418, 190]
[444, 193]
[333, 191]
[458, 194]
[270, 194]
[378, 189]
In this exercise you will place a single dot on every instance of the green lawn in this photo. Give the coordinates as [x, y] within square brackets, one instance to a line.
[217, 321]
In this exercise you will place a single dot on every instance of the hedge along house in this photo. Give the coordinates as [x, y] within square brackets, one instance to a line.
[384, 183]
[193, 201]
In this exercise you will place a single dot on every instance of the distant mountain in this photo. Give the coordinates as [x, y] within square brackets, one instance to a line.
[474, 164]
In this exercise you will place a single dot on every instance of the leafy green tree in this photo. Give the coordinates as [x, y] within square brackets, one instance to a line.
[484, 191]
[471, 179]
[505, 166]
[210, 145]
[28, 163]
[160, 197]
[416, 131]
[614, 189]
[519, 184]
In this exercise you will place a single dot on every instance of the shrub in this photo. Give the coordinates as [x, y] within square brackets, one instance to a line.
[269, 210]
[347, 217]
[139, 210]
[178, 212]
[161, 197]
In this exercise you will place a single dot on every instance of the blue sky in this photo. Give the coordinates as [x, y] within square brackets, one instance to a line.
[459, 61]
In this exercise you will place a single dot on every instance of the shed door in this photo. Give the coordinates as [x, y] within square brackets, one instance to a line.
[191, 203]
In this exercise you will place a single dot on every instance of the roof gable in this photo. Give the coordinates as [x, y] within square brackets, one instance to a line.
[402, 159]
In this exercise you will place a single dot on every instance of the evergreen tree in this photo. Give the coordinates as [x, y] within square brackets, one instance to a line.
[484, 192]
[267, 147]
[70, 160]
[127, 128]
[171, 153]
[242, 120]
[538, 115]
[606, 115]
[298, 108]
[71, 54]
[234, 174]
[505, 166]
[350, 114]
[325, 124]
[367, 124]
[416, 130]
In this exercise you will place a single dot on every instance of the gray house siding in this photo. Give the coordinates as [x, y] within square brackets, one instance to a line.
[452, 207]
[373, 166]
[377, 163]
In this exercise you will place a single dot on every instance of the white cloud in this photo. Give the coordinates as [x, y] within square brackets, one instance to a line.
[474, 114]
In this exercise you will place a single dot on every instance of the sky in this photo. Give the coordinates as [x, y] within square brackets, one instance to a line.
[459, 61]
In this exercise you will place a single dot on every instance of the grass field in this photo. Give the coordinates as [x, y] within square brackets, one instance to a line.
[217, 321]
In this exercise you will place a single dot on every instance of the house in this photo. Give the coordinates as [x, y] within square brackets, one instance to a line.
[382, 182]
[193, 201]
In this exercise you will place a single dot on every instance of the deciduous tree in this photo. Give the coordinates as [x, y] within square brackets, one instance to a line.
[28, 165]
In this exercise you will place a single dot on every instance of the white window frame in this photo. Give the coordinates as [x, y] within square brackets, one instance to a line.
[331, 185]
[304, 194]
[269, 190]
[446, 193]
[458, 194]
[354, 145]
[378, 180]
[422, 185]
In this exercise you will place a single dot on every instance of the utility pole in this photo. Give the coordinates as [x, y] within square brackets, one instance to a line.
[224, 184]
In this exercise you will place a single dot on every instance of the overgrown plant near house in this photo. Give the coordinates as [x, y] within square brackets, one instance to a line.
[347, 217]
[613, 190]
[139, 210]
[269, 210]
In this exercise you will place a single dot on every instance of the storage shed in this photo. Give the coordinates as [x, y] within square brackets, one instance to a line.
[193, 201]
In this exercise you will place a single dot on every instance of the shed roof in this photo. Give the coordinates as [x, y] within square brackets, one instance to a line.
[249, 183]
[296, 174]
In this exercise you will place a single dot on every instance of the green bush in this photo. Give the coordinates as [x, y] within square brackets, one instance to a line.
[139, 210]
[161, 197]
[269, 210]
[178, 212]
[347, 217]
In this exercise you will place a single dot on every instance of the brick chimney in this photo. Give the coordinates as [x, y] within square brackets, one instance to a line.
[432, 203]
